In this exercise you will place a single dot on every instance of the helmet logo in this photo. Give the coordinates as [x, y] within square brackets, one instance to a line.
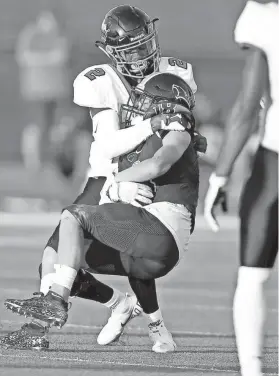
[179, 92]
[141, 35]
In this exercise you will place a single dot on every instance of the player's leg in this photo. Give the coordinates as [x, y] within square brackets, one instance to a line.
[144, 289]
[33, 334]
[103, 259]
[89, 196]
[258, 250]
[147, 250]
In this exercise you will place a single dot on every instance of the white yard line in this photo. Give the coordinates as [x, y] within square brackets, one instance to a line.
[201, 367]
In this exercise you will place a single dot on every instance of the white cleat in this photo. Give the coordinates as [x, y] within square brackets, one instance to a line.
[161, 338]
[124, 312]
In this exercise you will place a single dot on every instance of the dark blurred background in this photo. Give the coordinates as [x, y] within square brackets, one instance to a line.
[198, 31]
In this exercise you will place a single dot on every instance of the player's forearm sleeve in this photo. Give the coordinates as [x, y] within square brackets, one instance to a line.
[113, 142]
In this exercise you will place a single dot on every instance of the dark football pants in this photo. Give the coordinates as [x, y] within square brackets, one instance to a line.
[259, 212]
[128, 240]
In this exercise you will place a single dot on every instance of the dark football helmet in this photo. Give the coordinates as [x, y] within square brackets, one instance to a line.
[129, 38]
[160, 93]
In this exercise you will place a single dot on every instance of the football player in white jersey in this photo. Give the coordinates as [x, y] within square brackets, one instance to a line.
[129, 38]
[257, 29]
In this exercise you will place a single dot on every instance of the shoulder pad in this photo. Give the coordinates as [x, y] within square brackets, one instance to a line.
[180, 68]
[93, 88]
[253, 25]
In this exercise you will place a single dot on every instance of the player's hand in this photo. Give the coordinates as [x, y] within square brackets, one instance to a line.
[200, 142]
[168, 122]
[131, 193]
[216, 195]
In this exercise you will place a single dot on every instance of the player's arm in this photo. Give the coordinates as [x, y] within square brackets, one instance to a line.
[241, 120]
[111, 141]
[174, 145]
[93, 89]
[238, 129]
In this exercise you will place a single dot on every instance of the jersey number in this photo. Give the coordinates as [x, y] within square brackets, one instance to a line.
[93, 74]
[177, 62]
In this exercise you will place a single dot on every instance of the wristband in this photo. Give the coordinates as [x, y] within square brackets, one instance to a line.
[219, 181]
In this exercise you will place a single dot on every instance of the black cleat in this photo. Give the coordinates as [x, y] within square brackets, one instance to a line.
[31, 336]
[50, 308]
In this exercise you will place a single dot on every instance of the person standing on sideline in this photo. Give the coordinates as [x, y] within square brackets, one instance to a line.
[43, 55]
[257, 29]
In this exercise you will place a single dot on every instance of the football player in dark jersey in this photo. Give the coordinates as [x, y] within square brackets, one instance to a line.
[143, 242]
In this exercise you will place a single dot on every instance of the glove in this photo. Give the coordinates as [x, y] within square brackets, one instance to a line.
[167, 122]
[127, 192]
[131, 193]
[200, 142]
[105, 199]
[216, 195]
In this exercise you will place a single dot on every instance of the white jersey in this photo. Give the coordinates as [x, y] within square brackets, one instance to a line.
[102, 86]
[258, 25]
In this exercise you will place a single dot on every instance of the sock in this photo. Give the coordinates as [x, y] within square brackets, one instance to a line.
[116, 298]
[249, 312]
[86, 286]
[155, 316]
[145, 291]
[46, 283]
[64, 276]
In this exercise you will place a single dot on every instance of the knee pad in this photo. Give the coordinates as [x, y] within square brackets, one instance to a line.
[250, 276]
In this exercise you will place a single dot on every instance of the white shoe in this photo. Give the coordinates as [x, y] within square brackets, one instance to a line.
[125, 311]
[161, 337]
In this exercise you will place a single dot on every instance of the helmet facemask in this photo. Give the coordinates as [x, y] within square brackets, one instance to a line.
[143, 105]
[139, 56]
